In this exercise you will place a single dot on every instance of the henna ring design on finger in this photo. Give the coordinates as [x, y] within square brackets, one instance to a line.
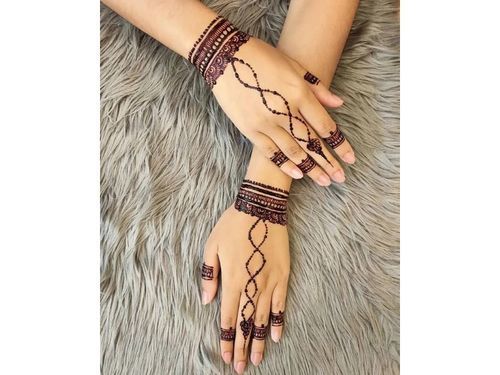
[336, 138]
[259, 333]
[307, 164]
[311, 78]
[268, 204]
[227, 334]
[207, 272]
[279, 158]
[277, 318]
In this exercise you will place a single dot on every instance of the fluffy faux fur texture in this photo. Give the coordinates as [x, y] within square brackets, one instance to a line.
[161, 197]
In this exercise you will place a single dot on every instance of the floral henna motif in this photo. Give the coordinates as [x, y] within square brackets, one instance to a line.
[311, 78]
[336, 138]
[313, 144]
[307, 164]
[259, 333]
[277, 318]
[279, 158]
[227, 334]
[268, 204]
[207, 272]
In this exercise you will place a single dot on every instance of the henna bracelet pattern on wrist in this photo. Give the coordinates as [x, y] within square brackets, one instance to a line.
[207, 272]
[202, 36]
[268, 204]
[311, 78]
[259, 333]
[279, 158]
[336, 138]
[227, 334]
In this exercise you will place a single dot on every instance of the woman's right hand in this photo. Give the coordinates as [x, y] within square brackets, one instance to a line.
[265, 95]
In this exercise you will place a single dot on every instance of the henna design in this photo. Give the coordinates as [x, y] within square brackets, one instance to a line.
[279, 158]
[311, 78]
[277, 318]
[227, 334]
[207, 272]
[259, 333]
[313, 144]
[268, 204]
[202, 36]
[336, 138]
[307, 164]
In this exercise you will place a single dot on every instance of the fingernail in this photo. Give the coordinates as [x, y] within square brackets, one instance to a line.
[349, 157]
[240, 366]
[296, 173]
[204, 298]
[256, 358]
[339, 176]
[275, 336]
[324, 180]
[226, 356]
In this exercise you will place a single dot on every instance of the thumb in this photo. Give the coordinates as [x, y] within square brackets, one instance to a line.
[325, 96]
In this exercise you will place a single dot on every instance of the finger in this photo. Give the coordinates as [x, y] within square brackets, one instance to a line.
[320, 120]
[246, 315]
[297, 155]
[273, 153]
[261, 328]
[228, 316]
[321, 92]
[278, 311]
[209, 272]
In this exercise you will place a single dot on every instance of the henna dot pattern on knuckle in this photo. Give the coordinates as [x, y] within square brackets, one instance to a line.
[311, 78]
[259, 333]
[312, 144]
[227, 334]
[268, 204]
[277, 319]
[307, 164]
[336, 138]
[279, 158]
[207, 272]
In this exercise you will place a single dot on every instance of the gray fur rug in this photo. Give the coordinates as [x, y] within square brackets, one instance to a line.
[171, 163]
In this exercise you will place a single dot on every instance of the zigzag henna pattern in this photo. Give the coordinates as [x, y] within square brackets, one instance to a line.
[227, 334]
[313, 144]
[279, 158]
[259, 333]
[277, 318]
[336, 138]
[207, 272]
[311, 78]
[307, 164]
[268, 204]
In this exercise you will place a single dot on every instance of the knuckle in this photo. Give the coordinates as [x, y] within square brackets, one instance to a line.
[295, 151]
[261, 318]
[227, 321]
[278, 304]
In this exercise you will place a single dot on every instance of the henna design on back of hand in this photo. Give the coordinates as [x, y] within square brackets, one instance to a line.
[268, 204]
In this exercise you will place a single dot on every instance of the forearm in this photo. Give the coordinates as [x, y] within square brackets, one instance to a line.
[314, 34]
[174, 23]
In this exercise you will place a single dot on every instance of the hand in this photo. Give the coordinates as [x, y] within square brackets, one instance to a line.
[227, 251]
[266, 96]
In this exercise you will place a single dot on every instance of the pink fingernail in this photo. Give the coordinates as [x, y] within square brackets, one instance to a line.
[226, 356]
[204, 298]
[324, 180]
[296, 173]
[256, 358]
[240, 367]
[349, 157]
[275, 336]
[339, 176]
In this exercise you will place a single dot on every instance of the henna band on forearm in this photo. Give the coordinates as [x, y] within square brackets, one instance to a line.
[307, 164]
[279, 158]
[259, 333]
[277, 318]
[215, 47]
[227, 334]
[207, 272]
[311, 78]
[336, 138]
[268, 204]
